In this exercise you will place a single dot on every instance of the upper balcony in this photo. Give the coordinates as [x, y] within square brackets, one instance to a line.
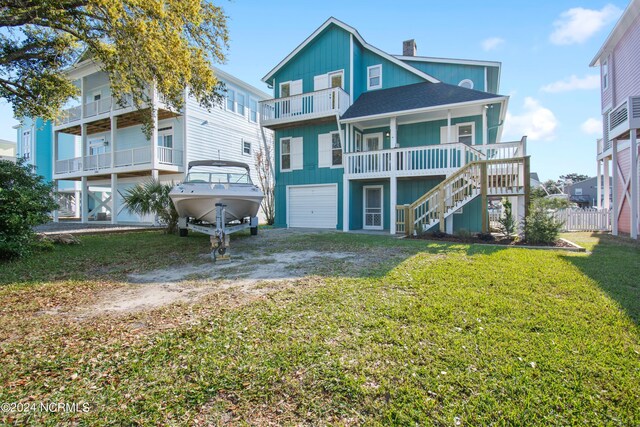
[306, 107]
[624, 117]
[427, 160]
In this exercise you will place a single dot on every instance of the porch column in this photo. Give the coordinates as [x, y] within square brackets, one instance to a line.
[485, 128]
[393, 133]
[56, 149]
[599, 184]
[606, 191]
[114, 198]
[57, 198]
[615, 199]
[634, 185]
[345, 203]
[114, 125]
[84, 203]
[448, 125]
[154, 129]
[83, 136]
[393, 197]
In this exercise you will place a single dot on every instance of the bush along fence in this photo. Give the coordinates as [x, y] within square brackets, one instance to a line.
[575, 219]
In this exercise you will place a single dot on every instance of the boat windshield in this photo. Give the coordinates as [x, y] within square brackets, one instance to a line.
[234, 177]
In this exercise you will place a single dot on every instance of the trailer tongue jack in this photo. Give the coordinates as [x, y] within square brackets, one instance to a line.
[219, 232]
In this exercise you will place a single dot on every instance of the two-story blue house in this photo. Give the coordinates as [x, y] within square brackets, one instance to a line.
[369, 140]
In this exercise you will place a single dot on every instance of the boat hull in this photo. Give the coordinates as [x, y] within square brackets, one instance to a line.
[199, 201]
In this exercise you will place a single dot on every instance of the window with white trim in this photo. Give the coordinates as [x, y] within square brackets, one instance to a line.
[461, 132]
[466, 83]
[605, 74]
[246, 147]
[253, 110]
[374, 77]
[97, 146]
[466, 134]
[336, 79]
[285, 89]
[26, 144]
[357, 144]
[165, 137]
[285, 154]
[373, 141]
[336, 149]
[240, 103]
[231, 100]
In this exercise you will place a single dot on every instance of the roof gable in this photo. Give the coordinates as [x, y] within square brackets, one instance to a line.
[358, 37]
[626, 20]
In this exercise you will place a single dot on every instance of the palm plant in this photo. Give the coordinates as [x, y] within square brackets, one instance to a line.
[152, 197]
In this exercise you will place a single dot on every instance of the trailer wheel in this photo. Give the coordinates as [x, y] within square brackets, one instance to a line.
[254, 231]
[183, 232]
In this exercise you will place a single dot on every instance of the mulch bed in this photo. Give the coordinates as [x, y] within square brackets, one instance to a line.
[495, 239]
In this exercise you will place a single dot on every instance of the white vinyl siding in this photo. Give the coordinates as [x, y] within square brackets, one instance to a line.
[312, 206]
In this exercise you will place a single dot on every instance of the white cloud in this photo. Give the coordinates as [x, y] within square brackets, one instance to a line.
[577, 24]
[536, 122]
[573, 83]
[492, 43]
[592, 126]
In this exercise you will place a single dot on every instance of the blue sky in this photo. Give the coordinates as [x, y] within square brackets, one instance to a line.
[545, 49]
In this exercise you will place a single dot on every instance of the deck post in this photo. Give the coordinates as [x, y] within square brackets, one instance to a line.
[393, 195]
[57, 198]
[114, 198]
[483, 196]
[606, 191]
[345, 203]
[441, 209]
[634, 185]
[616, 197]
[527, 184]
[598, 203]
[84, 203]
[407, 221]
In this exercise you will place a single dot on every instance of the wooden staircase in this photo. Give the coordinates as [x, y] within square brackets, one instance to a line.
[481, 178]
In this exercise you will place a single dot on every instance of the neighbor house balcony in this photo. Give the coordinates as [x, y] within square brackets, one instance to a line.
[306, 107]
[623, 118]
[427, 160]
[130, 160]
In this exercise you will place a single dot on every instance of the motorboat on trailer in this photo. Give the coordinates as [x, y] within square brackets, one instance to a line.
[214, 183]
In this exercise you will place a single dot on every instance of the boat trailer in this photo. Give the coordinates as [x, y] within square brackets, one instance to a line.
[218, 232]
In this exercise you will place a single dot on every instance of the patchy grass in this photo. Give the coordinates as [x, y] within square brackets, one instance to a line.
[433, 333]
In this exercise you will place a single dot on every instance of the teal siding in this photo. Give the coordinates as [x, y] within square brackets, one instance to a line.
[409, 190]
[356, 200]
[428, 133]
[392, 74]
[452, 73]
[471, 217]
[310, 174]
[41, 145]
[493, 121]
[493, 79]
[328, 52]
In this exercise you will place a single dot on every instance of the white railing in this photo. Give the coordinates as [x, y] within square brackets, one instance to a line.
[441, 159]
[603, 145]
[100, 106]
[169, 156]
[69, 165]
[583, 219]
[305, 106]
[132, 157]
[504, 150]
[71, 114]
[97, 161]
[8, 158]
[126, 103]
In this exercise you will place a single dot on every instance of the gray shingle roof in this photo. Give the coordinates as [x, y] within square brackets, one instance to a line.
[411, 97]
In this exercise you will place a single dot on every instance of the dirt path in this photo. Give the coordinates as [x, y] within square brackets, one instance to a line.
[189, 283]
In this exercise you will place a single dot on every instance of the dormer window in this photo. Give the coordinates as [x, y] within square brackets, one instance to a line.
[374, 77]
[605, 75]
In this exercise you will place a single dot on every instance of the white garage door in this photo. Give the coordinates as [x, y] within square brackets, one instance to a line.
[314, 206]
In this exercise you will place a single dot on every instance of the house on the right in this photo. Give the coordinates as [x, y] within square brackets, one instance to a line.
[619, 62]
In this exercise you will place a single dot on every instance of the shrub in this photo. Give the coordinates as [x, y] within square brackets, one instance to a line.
[506, 221]
[25, 201]
[152, 197]
[464, 235]
[540, 227]
[485, 237]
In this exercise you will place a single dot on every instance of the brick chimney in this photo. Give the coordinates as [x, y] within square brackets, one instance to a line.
[409, 48]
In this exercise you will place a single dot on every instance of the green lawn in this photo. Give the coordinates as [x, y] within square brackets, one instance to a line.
[427, 334]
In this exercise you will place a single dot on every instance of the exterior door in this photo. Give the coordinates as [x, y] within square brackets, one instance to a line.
[372, 207]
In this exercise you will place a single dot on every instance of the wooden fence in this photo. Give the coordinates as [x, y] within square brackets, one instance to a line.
[584, 219]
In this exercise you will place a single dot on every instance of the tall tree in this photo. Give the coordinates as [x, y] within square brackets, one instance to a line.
[170, 42]
[572, 178]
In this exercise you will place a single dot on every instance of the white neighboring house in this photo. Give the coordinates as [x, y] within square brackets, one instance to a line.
[99, 145]
[7, 150]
